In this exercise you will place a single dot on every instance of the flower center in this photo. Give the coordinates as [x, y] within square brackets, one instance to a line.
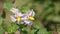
[18, 19]
[31, 18]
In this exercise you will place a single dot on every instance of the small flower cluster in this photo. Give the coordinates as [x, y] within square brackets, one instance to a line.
[20, 18]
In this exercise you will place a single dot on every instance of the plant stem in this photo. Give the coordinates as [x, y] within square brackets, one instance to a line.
[29, 29]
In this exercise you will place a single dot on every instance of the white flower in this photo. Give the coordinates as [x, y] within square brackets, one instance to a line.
[30, 13]
[22, 18]
[29, 17]
[16, 11]
[17, 16]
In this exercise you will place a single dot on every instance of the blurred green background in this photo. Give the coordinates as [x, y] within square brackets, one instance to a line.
[47, 16]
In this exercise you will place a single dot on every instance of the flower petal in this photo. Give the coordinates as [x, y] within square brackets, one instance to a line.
[19, 14]
[28, 22]
[14, 10]
[13, 19]
[22, 22]
[24, 18]
[30, 13]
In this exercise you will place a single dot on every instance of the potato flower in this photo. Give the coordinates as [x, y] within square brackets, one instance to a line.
[20, 18]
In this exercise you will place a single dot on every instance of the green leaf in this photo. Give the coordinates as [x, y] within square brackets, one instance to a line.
[25, 9]
[39, 28]
[9, 26]
[7, 6]
[42, 31]
[1, 30]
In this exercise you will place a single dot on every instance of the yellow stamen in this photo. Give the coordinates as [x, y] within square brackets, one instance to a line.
[18, 19]
[31, 18]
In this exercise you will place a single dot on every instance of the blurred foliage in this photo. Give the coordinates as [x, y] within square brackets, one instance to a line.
[7, 6]
[46, 17]
[3, 15]
[9, 26]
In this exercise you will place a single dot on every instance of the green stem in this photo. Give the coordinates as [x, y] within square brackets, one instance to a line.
[29, 29]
